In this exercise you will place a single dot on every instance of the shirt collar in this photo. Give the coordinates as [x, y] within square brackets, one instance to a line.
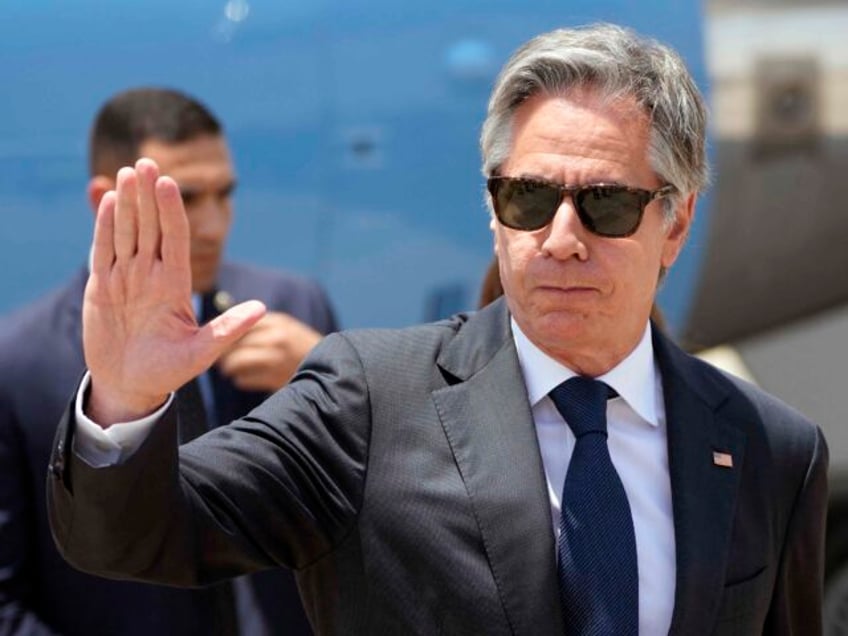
[634, 378]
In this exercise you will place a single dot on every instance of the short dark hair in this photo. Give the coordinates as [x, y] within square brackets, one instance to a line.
[135, 116]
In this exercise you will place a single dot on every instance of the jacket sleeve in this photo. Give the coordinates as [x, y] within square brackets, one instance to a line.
[281, 486]
[797, 600]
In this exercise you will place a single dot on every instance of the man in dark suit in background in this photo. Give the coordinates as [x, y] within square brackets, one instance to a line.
[41, 360]
[550, 464]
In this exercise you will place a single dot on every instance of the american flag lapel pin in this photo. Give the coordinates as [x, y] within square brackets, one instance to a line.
[725, 460]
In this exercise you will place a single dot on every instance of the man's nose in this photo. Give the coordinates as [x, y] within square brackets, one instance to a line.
[565, 235]
[210, 219]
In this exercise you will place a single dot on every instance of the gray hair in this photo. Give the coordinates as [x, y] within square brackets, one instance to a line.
[617, 62]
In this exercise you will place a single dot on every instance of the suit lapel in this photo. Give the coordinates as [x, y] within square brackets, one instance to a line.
[65, 338]
[488, 423]
[703, 491]
[71, 325]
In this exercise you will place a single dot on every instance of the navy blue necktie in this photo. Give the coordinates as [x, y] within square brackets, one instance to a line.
[599, 582]
[191, 412]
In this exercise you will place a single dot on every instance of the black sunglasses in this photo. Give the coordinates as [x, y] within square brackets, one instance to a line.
[604, 209]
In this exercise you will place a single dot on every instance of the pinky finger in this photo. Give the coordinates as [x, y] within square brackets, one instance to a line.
[103, 247]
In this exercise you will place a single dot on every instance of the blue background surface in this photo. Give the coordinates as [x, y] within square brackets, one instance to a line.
[353, 126]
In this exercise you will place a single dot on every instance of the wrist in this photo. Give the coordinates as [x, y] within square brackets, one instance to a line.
[106, 406]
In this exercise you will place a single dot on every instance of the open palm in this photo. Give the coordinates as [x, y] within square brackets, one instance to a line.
[140, 336]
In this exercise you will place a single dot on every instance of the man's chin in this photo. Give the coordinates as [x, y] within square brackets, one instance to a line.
[559, 325]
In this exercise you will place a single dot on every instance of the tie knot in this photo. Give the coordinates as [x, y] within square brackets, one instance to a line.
[582, 402]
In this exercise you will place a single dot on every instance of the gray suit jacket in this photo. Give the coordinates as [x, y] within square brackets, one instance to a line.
[400, 475]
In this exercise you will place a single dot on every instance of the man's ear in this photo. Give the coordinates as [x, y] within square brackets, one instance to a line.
[97, 187]
[493, 226]
[679, 231]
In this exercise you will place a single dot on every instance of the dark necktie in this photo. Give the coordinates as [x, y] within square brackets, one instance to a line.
[599, 583]
[194, 423]
[193, 419]
[191, 412]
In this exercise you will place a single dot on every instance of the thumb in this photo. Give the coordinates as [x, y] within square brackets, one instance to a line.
[221, 332]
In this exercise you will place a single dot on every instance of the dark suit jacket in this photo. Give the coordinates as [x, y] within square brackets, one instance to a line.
[400, 475]
[40, 364]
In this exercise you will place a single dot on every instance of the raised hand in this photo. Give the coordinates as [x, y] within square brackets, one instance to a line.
[267, 356]
[140, 336]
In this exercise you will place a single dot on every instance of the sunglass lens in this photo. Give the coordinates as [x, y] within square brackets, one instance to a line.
[609, 211]
[526, 205]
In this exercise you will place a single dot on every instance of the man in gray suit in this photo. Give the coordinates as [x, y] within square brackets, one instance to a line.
[551, 464]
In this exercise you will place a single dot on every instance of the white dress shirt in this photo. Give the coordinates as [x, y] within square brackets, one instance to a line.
[639, 451]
